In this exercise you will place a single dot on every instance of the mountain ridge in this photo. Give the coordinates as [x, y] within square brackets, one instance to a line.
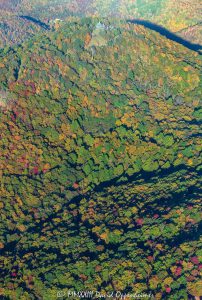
[163, 13]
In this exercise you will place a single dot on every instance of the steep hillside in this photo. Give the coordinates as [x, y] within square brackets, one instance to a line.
[100, 164]
[182, 17]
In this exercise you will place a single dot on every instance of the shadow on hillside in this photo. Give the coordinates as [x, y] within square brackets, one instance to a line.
[38, 22]
[168, 34]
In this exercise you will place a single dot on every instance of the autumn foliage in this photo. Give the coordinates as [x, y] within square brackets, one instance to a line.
[100, 164]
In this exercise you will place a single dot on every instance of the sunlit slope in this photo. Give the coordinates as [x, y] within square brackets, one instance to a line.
[100, 163]
[108, 86]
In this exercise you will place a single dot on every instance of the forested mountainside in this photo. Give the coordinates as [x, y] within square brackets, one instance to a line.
[100, 139]
[182, 17]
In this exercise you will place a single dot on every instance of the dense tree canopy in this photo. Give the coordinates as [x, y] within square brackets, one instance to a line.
[100, 164]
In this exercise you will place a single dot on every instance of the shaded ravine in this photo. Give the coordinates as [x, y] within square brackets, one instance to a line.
[168, 34]
[38, 22]
[60, 257]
